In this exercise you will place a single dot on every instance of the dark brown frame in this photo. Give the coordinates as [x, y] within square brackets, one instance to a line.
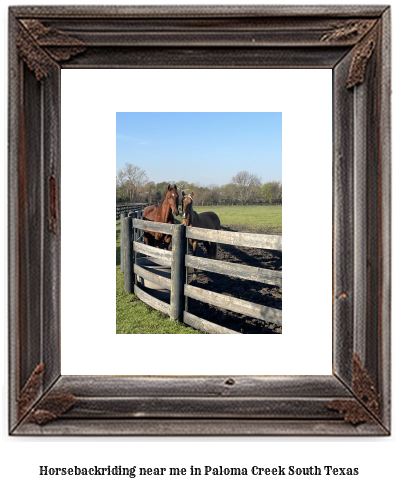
[353, 41]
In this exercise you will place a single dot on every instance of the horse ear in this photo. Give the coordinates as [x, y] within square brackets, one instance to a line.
[182, 193]
[192, 194]
[168, 187]
[175, 186]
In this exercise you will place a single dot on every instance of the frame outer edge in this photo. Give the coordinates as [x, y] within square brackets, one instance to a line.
[385, 149]
[15, 99]
[230, 11]
[14, 89]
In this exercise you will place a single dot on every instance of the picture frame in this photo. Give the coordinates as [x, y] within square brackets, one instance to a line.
[352, 41]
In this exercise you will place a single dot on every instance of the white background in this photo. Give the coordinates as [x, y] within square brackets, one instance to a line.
[376, 458]
[89, 343]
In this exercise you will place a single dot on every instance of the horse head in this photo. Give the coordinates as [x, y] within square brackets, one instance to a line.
[187, 203]
[172, 198]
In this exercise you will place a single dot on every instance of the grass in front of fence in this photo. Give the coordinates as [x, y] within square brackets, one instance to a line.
[136, 317]
[265, 219]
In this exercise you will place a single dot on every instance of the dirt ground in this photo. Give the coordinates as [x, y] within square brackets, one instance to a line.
[252, 291]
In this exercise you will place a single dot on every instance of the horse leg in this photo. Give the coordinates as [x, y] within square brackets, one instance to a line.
[208, 248]
[148, 239]
[158, 240]
[214, 250]
[166, 241]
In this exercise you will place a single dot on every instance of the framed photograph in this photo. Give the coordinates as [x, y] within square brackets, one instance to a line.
[221, 222]
[155, 46]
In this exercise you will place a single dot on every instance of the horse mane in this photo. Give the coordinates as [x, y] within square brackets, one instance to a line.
[163, 197]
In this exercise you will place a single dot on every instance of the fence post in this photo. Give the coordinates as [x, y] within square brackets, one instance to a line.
[134, 254]
[128, 253]
[177, 273]
[122, 249]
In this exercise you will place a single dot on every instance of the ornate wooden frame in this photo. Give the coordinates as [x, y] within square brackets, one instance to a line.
[352, 41]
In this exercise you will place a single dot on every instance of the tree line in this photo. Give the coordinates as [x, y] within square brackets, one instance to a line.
[133, 186]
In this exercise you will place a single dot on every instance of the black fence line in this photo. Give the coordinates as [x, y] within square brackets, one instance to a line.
[125, 208]
[130, 208]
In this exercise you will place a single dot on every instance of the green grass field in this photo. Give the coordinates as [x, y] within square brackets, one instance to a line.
[263, 219]
[136, 317]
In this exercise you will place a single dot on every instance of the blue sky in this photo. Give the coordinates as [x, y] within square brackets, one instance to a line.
[209, 148]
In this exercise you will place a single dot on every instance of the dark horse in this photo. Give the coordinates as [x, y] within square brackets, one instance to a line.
[206, 219]
[164, 214]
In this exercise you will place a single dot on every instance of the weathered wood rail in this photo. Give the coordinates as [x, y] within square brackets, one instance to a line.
[179, 261]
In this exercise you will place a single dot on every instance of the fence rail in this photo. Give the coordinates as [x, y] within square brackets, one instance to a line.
[132, 228]
[274, 242]
[261, 275]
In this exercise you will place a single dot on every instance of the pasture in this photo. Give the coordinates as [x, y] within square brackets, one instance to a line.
[261, 219]
[257, 219]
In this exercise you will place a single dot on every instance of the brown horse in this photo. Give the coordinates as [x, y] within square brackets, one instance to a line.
[164, 214]
[206, 219]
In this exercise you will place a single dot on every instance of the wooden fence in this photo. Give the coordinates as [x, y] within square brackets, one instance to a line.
[179, 260]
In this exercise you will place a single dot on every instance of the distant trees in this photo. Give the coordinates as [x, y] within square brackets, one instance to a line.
[149, 192]
[160, 190]
[228, 193]
[133, 185]
[182, 185]
[129, 182]
[247, 186]
[272, 192]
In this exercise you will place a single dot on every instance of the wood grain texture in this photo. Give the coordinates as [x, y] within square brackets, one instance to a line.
[49, 134]
[240, 32]
[273, 242]
[384, 136]
[195, 401]
[205, 326]
[152, 301]
[122, 241]
[14, 113]
[165, 228]
[261, 275]
[252, 37]
[206, 11]
[208, 57]
[154, 278]
[267, 314]
[227, 385]
[177, 276]
[128, 255]
[165, 256]
[343, 214]
[200, 427]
